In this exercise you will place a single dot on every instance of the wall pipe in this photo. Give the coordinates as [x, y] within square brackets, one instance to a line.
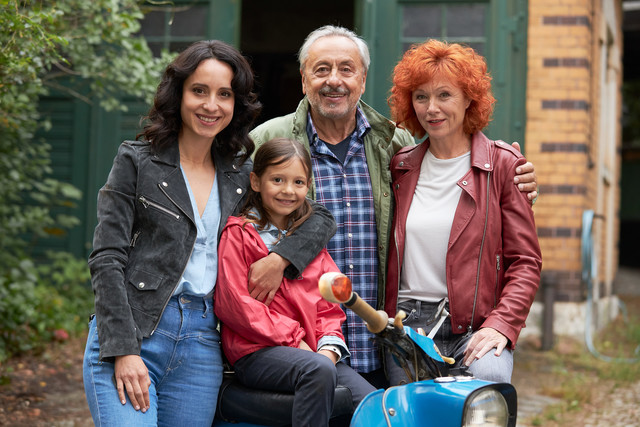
[589, 274]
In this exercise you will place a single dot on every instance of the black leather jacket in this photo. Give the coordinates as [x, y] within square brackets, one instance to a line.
[146, 232]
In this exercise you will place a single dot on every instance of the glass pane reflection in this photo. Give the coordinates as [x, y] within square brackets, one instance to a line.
[466, 20]
[422, 21]
[189, 22]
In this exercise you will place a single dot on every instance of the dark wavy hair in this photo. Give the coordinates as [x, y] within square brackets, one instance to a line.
[275, 152]
[163, 123]
[436, 59]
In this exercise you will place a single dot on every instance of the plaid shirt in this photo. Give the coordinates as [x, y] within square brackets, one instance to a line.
[345, 189]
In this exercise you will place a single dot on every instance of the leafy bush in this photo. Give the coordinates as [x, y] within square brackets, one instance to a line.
[92, 47]
[43, 303]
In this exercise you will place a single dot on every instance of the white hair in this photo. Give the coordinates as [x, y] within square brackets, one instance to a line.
[332, 30]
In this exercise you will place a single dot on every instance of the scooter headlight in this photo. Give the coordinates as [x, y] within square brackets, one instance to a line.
[487, 408]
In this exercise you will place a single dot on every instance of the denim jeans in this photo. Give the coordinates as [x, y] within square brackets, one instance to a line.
[184, 360]
[421, 315]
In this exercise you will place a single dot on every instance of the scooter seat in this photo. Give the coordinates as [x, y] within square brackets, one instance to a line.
[237, 403]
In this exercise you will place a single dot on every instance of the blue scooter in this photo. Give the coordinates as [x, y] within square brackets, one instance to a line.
[437, 396]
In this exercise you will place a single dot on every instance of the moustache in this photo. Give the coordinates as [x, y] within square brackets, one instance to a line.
[328, 90]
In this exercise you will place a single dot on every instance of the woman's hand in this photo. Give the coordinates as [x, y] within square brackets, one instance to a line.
[483, 341]
[265, 277]
[131, 374]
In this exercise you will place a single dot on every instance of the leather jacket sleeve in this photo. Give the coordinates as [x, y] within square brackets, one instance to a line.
[116, 210]
[301, 247]
[521, 258]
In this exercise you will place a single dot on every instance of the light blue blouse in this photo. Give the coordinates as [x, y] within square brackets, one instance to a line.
[201, 272]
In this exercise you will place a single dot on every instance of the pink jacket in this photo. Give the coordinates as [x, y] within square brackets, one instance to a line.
[297, 311]
[503, 263]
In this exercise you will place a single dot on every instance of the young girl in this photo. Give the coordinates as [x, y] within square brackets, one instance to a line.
[295, 343]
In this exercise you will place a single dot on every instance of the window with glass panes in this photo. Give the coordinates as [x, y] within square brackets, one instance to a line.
[175, 25]
[460, 23]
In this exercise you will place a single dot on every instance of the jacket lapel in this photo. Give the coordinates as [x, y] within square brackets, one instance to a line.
[406, 173]
[481, 161]
[233, 184]
[172, 183]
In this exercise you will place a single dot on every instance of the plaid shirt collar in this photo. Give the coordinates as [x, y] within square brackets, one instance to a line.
[362, 127]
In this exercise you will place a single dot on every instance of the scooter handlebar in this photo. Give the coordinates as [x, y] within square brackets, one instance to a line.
[336, 287]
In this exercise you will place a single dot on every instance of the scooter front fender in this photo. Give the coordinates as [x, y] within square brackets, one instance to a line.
[439, 402]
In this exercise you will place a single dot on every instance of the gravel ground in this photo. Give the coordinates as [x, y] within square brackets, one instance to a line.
[610, 405]
[618, 409]
[623, 409]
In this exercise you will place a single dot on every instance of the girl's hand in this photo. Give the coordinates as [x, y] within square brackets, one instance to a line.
[483, 341]
[304, 346]
[330, 354]
[265, 277]
[131, 374]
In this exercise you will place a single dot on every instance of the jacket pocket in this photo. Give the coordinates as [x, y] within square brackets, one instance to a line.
[145, 281]
[151, 204]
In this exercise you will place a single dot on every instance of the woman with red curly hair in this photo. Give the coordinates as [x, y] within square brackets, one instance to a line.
[464, 237]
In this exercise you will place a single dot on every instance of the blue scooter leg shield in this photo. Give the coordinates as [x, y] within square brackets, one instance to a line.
[442, 402]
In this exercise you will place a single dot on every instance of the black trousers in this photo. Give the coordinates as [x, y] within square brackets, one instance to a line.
[312, 377]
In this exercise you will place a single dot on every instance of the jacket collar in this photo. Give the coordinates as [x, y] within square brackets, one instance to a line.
[171, 156]
[481, 148]
[378, 122]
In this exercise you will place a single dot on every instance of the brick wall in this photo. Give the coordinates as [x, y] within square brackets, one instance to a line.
[562, 131]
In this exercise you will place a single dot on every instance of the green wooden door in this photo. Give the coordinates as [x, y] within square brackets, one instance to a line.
[69, 118]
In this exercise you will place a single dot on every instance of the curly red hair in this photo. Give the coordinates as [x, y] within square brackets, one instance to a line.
[436, 59]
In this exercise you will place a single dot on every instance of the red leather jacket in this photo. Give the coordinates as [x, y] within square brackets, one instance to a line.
[493, 248]
[297, 311]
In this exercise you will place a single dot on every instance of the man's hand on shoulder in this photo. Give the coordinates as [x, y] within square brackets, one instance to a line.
[526, 179]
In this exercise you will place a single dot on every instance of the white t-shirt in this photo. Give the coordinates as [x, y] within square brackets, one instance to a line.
[428, 228]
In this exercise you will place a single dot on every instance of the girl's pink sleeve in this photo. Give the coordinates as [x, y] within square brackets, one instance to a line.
[330, 315]
[240, 312]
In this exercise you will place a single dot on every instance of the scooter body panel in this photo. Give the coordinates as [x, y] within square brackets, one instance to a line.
[425, 403]
[219, 423]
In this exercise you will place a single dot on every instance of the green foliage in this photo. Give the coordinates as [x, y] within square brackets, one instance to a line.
[88, 49]
[42, 303]
[69, 304]
[103, 51]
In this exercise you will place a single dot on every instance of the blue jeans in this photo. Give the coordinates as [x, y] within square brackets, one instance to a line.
[184, 360]
[421, 315]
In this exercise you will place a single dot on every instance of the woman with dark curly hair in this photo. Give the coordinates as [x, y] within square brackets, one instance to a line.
[153, 352]
[464, 236]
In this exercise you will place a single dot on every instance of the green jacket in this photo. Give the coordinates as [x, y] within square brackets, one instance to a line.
[380, 144]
